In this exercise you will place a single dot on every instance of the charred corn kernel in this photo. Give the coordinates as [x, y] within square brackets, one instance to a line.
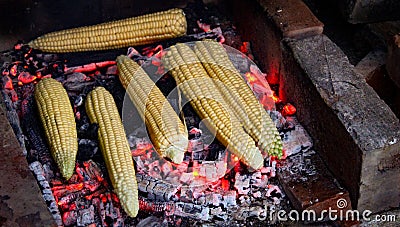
[238, 94]
[167, 132]
[134, 31]
[101, 109]
[59, 124]
[209, 104]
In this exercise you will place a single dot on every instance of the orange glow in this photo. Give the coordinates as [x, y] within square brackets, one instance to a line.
[18, 46]
[289, 109]
[141, 150]
[275, 98]
[203, 26]
[78, 186]
[157, 51]
[29, 52]
[250, 77]
[26, 78]
[273, 75]
[14, 96]
[9, 84]
[236, 159]
[195, 173]
[225, 184]
[13, 70]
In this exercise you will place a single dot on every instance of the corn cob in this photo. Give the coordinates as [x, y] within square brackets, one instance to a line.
[59, 124]
[167, 132]
[134, 31]
[255, 119]
[101, 109]
[209, 104]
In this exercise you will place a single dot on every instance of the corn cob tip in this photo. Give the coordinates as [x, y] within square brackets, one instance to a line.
[129, 203]
[175, 154]
[256, 162]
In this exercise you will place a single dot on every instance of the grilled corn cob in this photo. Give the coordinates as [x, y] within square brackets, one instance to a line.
[209, 104]
[101, 109]
[167, 132]
[255, 119]
[59, 123]
[134, 31]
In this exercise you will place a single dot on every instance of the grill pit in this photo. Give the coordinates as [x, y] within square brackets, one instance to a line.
[233, 196]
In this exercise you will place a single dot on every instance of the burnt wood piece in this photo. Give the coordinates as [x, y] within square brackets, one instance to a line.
[355, 132]
[309, 185]
[13, 119]
[293, 18]
[33, 131]
[21, 203]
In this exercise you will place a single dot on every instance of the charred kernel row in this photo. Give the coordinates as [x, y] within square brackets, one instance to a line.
[237, 93]
[167, 132]
[134, 31]
[101, 109]
[209, 104]
[59, 124]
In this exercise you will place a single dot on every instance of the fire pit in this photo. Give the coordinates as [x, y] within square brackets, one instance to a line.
[211, 185]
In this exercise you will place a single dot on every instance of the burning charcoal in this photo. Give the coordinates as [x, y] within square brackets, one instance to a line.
[88, 131]
[48, 196]
[192, 211]
[296, 140]
[244, 213]
[244, 200]
[34, 132]
[155, 170]
[257, 194]
[274, 191]
[230, 198]
[153, 207]
[112, 70]
[196, 145]
[166, 168]
[256, 179]
[77, 82]
[156, 188]
[278, 119]
[111, 215]
[13, 118]
[85, 216]
[7, 83]
[242, 184]
[186, 178]
[87, 149]
[70, 218]
[151, 221]
[219, 213]
[78, 101]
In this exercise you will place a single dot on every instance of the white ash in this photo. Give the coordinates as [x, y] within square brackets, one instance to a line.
[85, 216]
[48, 196]
[297, 139]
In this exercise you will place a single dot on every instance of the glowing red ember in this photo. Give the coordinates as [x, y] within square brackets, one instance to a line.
[203, 26]
[26, 78]
[288, 110]
[156, 51]
[13, 70]
[8, 83]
